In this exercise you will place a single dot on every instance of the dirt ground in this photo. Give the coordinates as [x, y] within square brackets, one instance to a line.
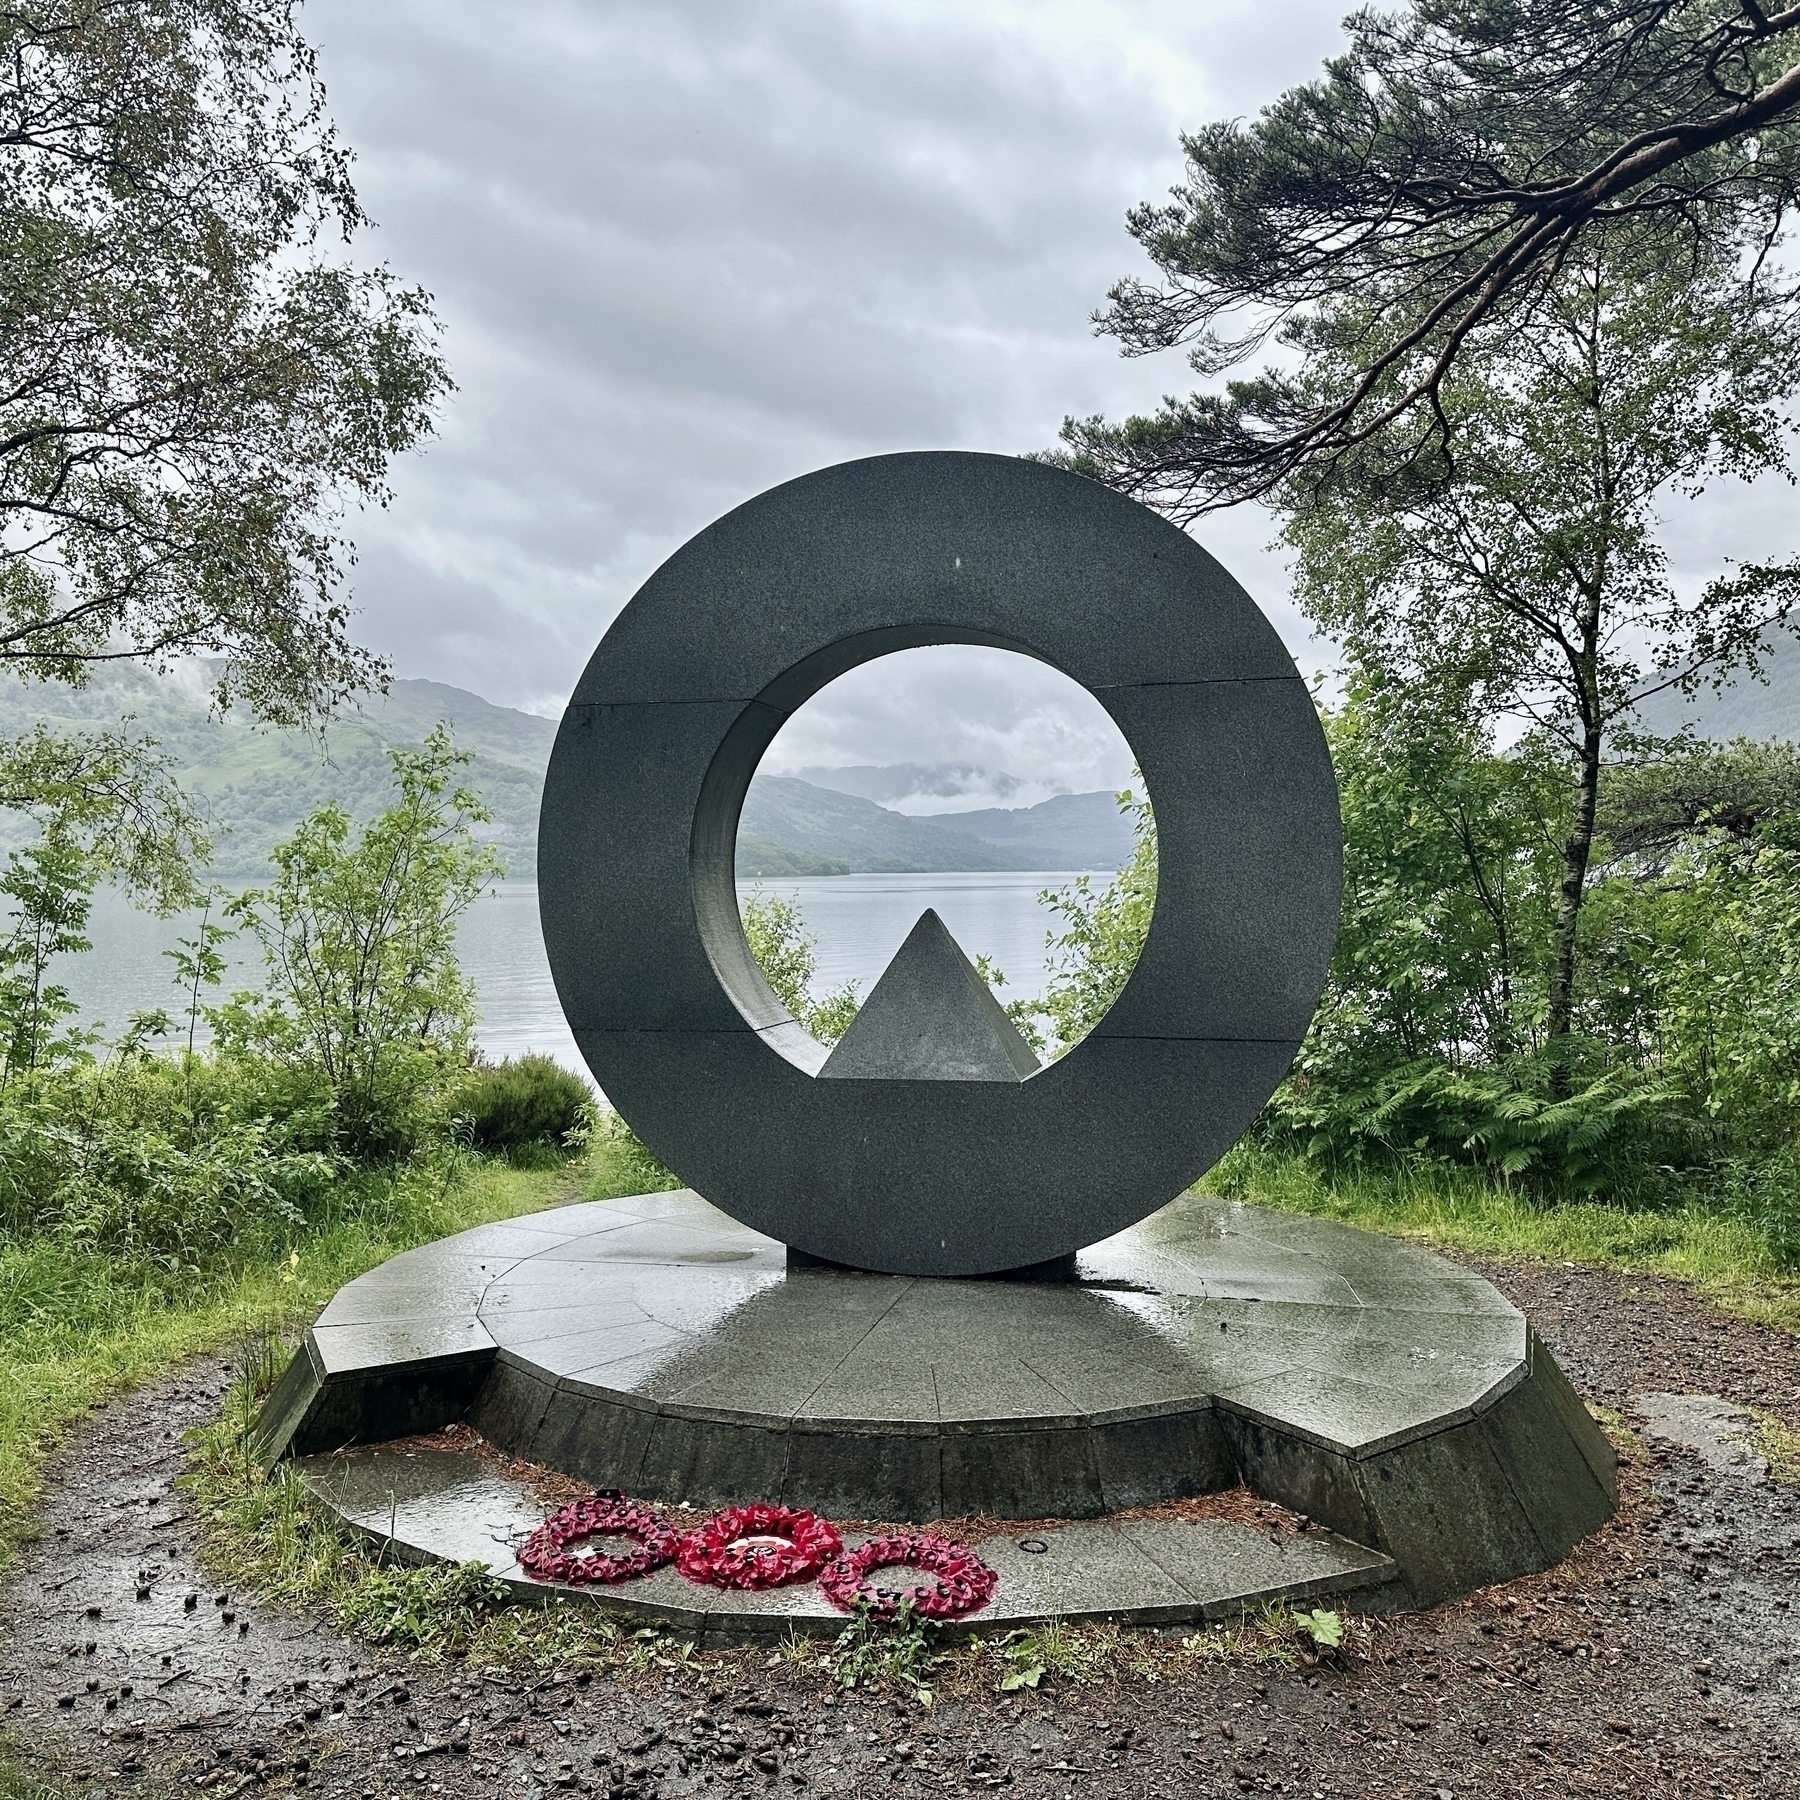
[1661, 1660]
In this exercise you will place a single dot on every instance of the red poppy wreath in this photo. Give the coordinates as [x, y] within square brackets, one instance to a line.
[758, 1546]
[957, 1580]
[546, 1553]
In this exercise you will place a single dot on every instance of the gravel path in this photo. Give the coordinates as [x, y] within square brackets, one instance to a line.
[1661, 1660]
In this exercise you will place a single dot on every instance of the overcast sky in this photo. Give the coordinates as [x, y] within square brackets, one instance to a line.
[686, 249]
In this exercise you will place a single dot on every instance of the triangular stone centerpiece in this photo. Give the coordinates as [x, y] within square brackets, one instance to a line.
[931, 1018]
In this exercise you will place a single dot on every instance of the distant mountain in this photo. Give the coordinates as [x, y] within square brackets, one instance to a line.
[1746, 708]
[1078, 831]
[256, 784]
[797, 818]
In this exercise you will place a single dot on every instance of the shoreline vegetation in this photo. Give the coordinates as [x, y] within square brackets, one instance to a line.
[156, 1203]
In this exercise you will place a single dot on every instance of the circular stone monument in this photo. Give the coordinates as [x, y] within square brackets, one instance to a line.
[917, 1148]
[809, 1332]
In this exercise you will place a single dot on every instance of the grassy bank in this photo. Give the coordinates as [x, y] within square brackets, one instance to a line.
[77, 1326]
[1722, 1255]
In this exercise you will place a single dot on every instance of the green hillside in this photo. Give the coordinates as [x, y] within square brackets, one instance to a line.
[1073, 831]
[757, 859]
[409, 709]
[1753, 709]
[1077, 831]
[795, 816]
[254, 784]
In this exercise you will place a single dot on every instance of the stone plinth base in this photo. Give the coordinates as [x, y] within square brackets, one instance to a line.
[654, 1345]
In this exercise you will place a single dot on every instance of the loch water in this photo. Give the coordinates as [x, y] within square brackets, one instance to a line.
[859, 922]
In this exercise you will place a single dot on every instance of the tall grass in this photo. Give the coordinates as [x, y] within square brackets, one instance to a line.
[17, 1782]
[619, 1162]
[78, 1324]
[1722, 1254]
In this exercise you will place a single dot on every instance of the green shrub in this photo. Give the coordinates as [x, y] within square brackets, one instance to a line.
[525, 1108]
[1619, 1130]
[1105, 931]
[358, 932]
[1765, 1192]
[788, 955]
[150, 1157]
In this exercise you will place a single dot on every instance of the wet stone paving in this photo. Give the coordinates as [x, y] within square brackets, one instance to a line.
[654, 1344]
[1661, 1660]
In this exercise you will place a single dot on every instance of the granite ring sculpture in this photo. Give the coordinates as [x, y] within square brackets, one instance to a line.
[933, 1172]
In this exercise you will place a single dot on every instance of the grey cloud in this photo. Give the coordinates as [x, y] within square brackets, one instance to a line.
[892, 782]
[687, 249]
[1027, 728]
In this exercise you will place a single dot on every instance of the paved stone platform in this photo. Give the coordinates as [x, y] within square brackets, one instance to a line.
[655, 1345]
[455, 1506]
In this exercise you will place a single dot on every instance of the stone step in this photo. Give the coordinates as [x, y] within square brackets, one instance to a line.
[424, 1505]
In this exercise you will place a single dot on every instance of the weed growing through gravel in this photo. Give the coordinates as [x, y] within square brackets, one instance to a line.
[1053, 1648]
[1021, 1661]
[1278, 1634]
[875, 1653]
[1025, 1665]
[1778, 1444]
[443, 1608]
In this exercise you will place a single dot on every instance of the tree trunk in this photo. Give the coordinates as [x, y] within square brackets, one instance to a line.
[1561, 1010]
